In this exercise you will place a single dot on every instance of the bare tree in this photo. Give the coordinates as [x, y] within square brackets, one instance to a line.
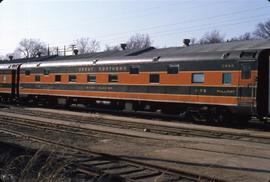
[87, 45]
[193, 41]
[112, 48]
[263, 30]
[245, 36]
[2, 58]
[138, 41]
[29, 48]
[212, 37]
[15, 55]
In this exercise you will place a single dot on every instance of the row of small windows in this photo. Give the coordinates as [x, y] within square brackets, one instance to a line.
[154, 78]
[73, 78]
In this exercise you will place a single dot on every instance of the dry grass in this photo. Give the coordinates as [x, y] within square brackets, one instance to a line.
[38, 167]
[42, 166]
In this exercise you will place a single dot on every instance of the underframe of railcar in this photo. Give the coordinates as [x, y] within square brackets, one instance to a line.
[216, 113]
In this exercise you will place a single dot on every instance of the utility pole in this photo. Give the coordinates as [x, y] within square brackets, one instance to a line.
[48, 53]
[72, 48]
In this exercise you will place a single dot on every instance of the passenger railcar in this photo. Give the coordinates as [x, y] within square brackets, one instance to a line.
[217, 81]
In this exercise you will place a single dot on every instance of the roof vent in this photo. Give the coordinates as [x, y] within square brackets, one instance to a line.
[76, 51]
[10, 58]
[186, 42]
[156, 58]
[225, 55]
[95, 61]
[123, 46]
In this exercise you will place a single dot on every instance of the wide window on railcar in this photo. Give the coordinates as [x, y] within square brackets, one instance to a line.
[134, 70]
[91, 78]
[113, 78]
[197, 77]
[37, 78]
[27, 72]
[227, 78]
[46, 72]
[245, 70]
[173, 68]
[72, 78]
[57, 78]
[154, 78]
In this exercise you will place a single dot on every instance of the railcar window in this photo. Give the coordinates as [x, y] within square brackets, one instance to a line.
[37, 78]
[246, 70]
[197, 77]
[27, 72]
[72, 78]
[91, 78]
[113, 78]
[57, 78]
[46, 72]
[154, 78]
[227, 78]
[134, 70]
[4, 78]
[173, 69]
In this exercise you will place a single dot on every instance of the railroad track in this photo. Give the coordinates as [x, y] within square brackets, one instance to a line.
[165, 130]
[98, 164]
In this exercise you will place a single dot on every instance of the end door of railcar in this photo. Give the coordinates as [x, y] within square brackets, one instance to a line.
[15, 79]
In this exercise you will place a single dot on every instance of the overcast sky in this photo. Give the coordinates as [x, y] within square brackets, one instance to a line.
[59, 22]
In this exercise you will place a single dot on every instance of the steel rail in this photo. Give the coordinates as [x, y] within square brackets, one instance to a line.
[174, 171]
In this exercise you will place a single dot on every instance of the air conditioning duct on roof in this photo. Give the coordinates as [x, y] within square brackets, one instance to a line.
[123, 46]
[76, 51]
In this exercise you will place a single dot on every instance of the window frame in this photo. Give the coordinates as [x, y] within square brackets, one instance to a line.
[224, 82]
[89, 80]
[152, 80]
[4, 78]
[170, 67]
[245, 71]
[72, 80]
[46, 72]
[134, 67]
[197, 82]
[39, 78]
[55, 76]
[110, 78]
[27, 72]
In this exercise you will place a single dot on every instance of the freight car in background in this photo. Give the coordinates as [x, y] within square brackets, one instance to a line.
[220, 82]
